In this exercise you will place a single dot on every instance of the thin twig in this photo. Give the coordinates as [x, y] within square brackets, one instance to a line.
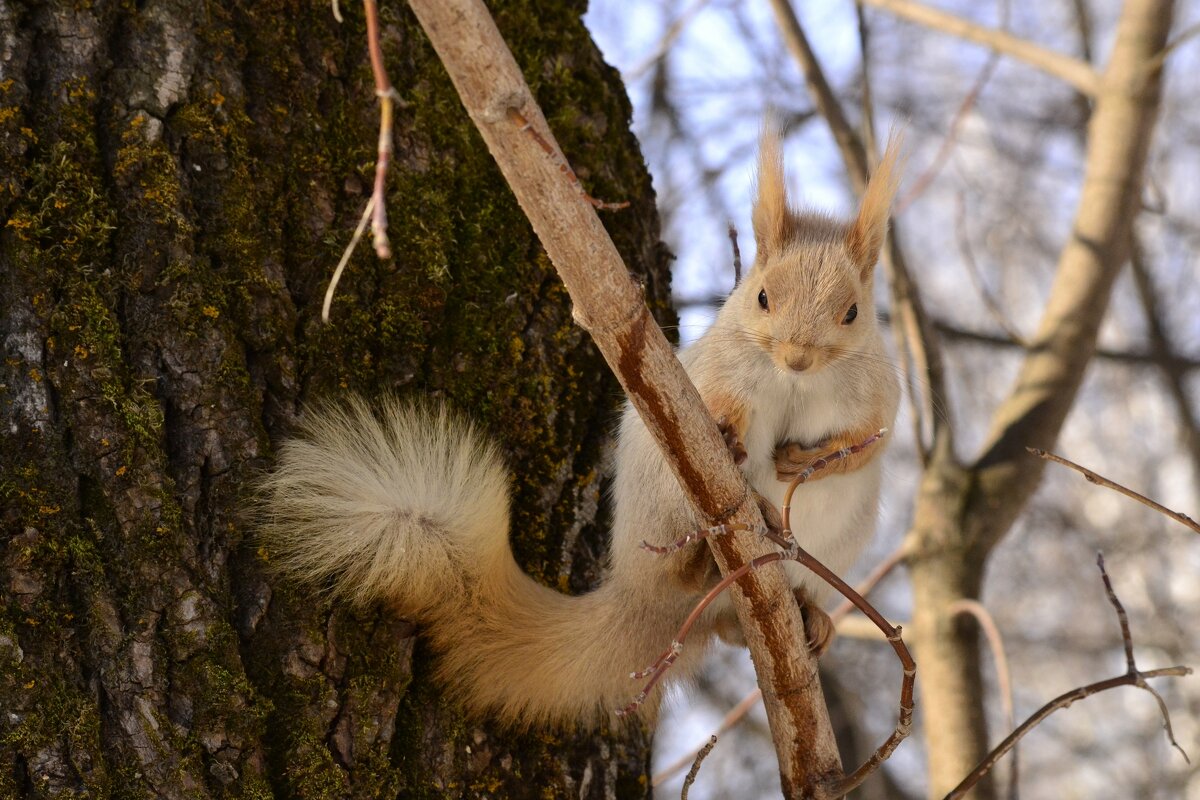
[737, 255]
[695, 770]
[925, 179]
[655, 671]
[1161, 58]
[968, 257]
[845, 785]
[349, 251]
[386, 95]
[669, 36]
[734, 716]
[881, 571]
[1100, 480]
[738, 712]
[1132, 677]
[1003, 676]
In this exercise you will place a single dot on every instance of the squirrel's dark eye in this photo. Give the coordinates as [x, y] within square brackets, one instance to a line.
[762, 299]
[851, 314]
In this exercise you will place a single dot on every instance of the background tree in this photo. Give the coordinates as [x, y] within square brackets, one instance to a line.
[996, 174]
[178, 180]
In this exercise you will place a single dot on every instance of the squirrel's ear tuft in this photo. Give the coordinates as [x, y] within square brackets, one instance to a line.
[772, 220]
[864, 239]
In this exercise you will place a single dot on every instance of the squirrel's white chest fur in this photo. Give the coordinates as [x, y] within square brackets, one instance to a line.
[833, 518]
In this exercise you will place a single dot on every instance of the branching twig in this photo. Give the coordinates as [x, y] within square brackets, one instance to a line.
[695, 770]
[659, 668]
[386, 95]
[376, 209]
[1132, 677]
[748, 702]
[791, 550]
[893, 634]
[1100, 480]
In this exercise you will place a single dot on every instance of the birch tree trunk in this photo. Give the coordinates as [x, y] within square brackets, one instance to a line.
[176, 182]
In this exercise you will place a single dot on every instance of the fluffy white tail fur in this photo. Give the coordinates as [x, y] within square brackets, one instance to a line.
[410, 507]
[403, 507]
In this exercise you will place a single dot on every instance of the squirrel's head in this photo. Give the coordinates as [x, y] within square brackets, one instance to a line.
[808, 300]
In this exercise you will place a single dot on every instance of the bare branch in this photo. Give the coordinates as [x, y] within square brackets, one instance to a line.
[737, 255]
[1066, 68]
[386, 95]
[609, 305]
[695, 770]
[345, 259]
[1133, 677]
[1100, 480]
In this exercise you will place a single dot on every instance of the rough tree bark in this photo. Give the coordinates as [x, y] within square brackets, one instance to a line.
[176, 181]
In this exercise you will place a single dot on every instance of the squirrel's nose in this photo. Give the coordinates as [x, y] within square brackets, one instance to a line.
[800, 361]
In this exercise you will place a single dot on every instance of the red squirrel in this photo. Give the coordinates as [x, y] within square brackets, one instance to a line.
[407, 504]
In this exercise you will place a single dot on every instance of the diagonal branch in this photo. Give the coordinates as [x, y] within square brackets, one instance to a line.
[1066, 68]
[1100, 480]
[1118, 143]
[1132, 677]
[610, 307]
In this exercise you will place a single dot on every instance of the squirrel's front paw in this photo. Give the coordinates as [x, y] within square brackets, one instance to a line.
[792, 458]
[818, 626]
[732, 440]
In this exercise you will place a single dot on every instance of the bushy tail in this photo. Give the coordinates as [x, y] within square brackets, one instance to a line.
[410, 507]
[406, 506]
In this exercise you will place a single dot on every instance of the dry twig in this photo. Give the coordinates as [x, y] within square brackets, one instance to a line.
[1100, 480]
[695, 770]
[376, 208]
[737, 255]
[1003, 676]
[1132, 677]
[791, 550]
[748, 702]
[925, 179]
[386, 95]
[609, 305]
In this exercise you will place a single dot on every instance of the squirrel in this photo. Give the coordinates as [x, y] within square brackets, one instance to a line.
[407, 504]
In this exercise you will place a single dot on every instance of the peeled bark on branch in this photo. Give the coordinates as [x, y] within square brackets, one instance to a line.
[610, 307]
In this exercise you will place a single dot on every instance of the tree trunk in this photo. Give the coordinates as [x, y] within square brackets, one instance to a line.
[176, 182]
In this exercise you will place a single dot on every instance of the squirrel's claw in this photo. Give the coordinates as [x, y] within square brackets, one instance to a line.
[732, 440]
[819, 629]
